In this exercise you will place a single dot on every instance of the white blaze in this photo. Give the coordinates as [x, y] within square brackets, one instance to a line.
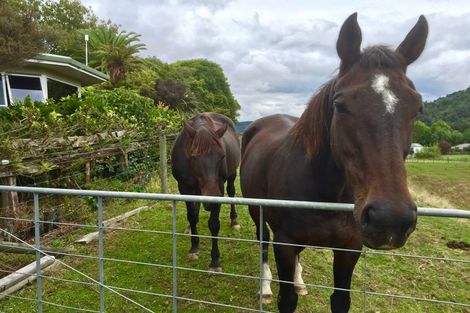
[381, 86]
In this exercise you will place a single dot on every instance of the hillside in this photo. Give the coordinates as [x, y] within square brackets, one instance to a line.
[453, 108]
[241, 126]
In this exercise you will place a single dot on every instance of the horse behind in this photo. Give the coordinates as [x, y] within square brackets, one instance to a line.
[348, 146]
[205, 155]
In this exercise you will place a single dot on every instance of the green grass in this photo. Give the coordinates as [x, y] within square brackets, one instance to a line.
[449, 181]
[463, 157]
[441, 280]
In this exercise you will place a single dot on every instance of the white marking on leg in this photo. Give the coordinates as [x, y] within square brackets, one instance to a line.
[382, 87]
[267, 277]
[299, 284]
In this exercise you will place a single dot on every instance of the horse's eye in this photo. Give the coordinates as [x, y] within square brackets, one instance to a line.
[340, 106]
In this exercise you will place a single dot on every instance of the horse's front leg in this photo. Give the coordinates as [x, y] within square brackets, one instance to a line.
[343, 267]
[233, 213]
[286, 259]
[192, 213]
[266, 292]
[214, 227]
[299, 284]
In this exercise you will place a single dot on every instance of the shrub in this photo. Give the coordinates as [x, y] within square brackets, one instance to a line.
[444, 147]
[96, 112]
[429, 153]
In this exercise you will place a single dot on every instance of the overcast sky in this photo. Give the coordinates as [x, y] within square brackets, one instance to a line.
[276, 54]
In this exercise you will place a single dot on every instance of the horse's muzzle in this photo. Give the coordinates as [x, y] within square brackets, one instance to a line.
[211, 190]
[384, 226]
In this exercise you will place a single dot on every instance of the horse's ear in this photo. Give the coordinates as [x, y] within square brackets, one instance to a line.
[413, 44]
[189, 130]
[349, 41]
[221, 130]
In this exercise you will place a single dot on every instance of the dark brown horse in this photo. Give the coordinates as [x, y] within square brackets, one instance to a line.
[205, 155]
[348, 146]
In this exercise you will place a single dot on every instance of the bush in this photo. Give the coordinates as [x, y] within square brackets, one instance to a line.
[444, 147]
[96, 112]
[429, 153]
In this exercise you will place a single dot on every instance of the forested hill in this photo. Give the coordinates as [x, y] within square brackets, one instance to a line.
[453, 108]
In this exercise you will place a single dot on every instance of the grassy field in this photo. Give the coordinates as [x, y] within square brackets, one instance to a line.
[436, 185]
[464, 157]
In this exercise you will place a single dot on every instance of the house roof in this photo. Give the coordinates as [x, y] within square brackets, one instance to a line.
[67, 66]
[462, 146]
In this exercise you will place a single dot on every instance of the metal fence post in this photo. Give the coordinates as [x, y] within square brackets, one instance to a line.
[37, 243]
[163, 164]
[365, 279]
[261, 269]
[100, 252]
[175, 286]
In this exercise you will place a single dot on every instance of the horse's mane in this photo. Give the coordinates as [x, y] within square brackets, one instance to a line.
[312, 128]
[205, 138]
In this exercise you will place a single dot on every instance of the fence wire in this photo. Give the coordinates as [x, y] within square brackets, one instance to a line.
[173, 295]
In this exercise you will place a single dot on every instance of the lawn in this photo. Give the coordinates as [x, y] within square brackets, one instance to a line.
[432, 185]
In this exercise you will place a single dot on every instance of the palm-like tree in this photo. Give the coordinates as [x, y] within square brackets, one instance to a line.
[114, 52]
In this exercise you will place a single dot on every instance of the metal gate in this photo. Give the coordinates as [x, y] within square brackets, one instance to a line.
[174, 296]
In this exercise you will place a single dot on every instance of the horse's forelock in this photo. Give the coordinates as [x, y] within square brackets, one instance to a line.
[205, 138]
[379, 57]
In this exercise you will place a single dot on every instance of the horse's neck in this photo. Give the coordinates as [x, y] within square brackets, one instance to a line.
[334, 178]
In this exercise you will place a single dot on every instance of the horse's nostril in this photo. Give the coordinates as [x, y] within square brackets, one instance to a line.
[366, 216]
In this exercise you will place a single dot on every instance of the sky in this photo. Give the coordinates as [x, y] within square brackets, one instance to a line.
[276, 54]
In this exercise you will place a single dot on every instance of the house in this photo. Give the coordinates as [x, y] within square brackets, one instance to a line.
[461, 146]
[46, 76]
[415, 148]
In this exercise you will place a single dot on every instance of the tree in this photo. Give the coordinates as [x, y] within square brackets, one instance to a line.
[114, 53]
[209, 85]
[466, 136]
[440, 131]
[175, 94]
[422, 134]
[21, 36]
[455, 137]
[68, 19]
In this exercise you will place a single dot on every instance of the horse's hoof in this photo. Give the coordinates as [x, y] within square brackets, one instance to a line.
[187, 230]
[236, 227]
[301, 290]
[217, 269]
[193, 256]
[267, 299]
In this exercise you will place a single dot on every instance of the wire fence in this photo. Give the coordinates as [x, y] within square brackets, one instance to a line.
[442, 160]
[172, 295]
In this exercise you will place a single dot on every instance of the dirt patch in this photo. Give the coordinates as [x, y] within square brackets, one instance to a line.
[425, 198]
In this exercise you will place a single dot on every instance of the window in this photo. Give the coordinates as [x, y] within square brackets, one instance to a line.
[57, 89]
[22, 86]
[3, 100]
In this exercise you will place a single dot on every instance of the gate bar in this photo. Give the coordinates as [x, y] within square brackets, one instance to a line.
[344, 207]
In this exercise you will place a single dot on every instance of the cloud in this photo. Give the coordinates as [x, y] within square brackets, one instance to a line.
[277, 54]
